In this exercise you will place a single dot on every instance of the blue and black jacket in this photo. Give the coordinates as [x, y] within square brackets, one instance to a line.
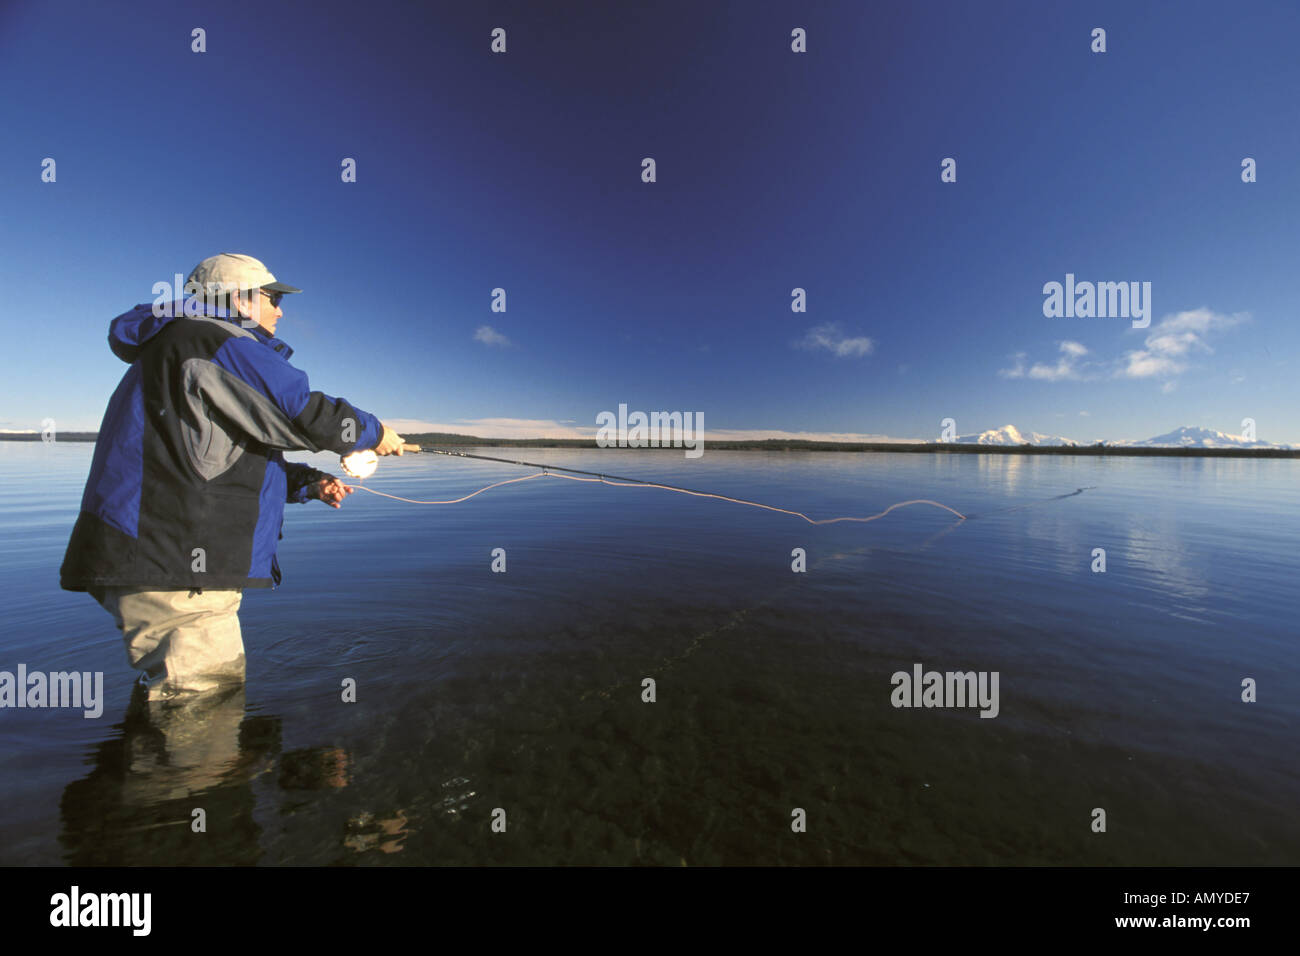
[190, 455]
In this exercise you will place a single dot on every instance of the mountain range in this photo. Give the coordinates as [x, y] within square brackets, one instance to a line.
[1185, 436]
[1010, 435]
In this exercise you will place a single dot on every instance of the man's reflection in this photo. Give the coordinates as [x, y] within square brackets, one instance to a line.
[136, 806]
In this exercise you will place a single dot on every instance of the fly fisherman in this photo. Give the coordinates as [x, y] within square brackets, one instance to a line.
[185, 499]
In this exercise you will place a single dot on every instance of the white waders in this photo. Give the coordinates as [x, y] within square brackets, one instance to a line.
[182, 641]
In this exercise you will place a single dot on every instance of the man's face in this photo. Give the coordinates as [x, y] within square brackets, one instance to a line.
[263, 312]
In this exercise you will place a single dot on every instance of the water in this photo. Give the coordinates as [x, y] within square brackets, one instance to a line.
[522, 691]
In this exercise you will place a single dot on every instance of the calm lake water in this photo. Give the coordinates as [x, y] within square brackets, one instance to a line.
[523, 690]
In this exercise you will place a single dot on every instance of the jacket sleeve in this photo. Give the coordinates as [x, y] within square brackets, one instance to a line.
[300, 477]
[263, 396]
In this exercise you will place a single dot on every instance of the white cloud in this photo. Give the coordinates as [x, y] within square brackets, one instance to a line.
[830, 337]
[1066, 366]
[1017, 370]
[1167, 345]
[1145, 364]
[1175, 343]
[490, 336]
[1199, 321]
[1165, 353]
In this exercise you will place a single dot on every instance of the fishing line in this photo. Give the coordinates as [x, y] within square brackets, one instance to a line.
[1031, 504]
[452, 501]
[550, 471]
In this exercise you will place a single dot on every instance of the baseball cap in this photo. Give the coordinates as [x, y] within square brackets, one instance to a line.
[231, 270]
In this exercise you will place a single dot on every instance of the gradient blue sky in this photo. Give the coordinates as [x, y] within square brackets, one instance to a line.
[776, 170]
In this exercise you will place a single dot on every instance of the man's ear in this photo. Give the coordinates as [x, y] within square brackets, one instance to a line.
[247, 306]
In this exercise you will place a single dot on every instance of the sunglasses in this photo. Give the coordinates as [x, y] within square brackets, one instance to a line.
[275, 297]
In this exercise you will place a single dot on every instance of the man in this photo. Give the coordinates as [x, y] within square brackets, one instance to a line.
[185, 499]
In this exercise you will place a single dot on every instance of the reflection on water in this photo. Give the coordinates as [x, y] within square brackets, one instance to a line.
[168, 771]
[1157, 546]
[175, 787]
[1005, 472]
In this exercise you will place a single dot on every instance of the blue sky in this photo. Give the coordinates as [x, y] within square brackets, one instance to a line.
[775, 170]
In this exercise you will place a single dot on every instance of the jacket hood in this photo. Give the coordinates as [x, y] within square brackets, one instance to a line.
[130, 331]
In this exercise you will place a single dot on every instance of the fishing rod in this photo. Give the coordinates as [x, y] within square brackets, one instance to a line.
[363, 464]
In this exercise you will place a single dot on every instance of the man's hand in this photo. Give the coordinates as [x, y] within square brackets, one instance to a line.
[330, 490]
[390, 444]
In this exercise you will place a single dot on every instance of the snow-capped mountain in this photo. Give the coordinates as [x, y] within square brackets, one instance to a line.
[1186, 436]
[1010, 435]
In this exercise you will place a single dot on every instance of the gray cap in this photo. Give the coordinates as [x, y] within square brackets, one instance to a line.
[231, 270]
